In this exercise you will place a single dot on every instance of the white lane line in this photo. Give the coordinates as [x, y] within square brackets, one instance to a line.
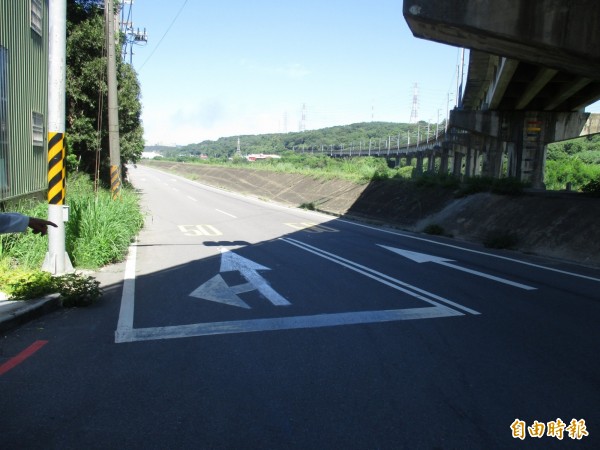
[226, 213]
[287, 323]
[394, 283]
[192, 198]
[478, 252]
[125, 324]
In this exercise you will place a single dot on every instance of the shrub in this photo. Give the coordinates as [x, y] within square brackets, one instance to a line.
[78, 290]
[309, 206]
[74, 289]
[434, 229]
[592, 188]
[502, 186]
[430, 179]
[474, 185]
[501, 239]
[508, 186]
[24, 285]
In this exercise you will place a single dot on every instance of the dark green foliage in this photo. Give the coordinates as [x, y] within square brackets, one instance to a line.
[86, 102]
[309, 206]
[502, 186]
[508, 186]
[571, 171]
[501, 239]
[430, 179]
[592, 188]
[575, 163]
[434, 229]
[357, 137]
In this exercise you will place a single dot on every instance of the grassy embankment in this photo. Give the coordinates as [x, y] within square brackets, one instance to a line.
[98, 232]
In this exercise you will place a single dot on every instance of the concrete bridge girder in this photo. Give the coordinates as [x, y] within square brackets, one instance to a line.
[532, 30]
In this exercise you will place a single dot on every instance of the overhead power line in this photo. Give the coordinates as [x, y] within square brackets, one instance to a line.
[164, 35]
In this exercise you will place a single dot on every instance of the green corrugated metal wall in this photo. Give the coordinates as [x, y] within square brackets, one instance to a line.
[23, 167]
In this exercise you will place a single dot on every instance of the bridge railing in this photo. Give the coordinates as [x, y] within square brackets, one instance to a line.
[390, 148]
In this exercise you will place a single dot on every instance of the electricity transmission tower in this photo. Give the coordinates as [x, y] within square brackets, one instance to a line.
[303, 120]
[414, 112]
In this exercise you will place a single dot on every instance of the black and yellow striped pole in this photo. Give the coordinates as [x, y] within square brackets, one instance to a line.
[115, 182]
[57, 261]
[56, 168]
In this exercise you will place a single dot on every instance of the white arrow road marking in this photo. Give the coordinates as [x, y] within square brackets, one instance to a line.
[423, 258]
[126, 333]
[217, 290]
[231, 262]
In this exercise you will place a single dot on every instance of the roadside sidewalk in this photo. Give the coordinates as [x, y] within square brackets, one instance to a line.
[14, 313]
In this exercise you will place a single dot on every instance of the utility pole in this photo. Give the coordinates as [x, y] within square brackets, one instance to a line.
[113, 103]
[57, 260]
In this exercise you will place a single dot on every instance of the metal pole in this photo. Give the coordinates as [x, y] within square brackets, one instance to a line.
[57, 261]
[113, 103]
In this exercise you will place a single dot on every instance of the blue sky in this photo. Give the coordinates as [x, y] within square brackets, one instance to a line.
[231, 67]
[248, 67]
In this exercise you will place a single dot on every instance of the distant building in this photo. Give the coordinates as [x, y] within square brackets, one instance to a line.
[23, 97]
[151, 155]
[259, 156]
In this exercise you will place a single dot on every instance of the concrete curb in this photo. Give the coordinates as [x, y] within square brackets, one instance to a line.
[16, 313]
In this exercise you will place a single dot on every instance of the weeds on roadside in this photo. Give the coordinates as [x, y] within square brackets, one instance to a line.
[74, 289]
[98, 231]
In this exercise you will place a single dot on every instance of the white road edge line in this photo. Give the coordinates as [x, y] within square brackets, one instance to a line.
[125, 324]
[381, 277]
[506, 258]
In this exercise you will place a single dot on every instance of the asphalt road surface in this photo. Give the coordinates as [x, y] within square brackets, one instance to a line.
[240, 324]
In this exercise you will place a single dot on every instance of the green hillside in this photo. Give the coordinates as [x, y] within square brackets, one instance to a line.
[357, 135]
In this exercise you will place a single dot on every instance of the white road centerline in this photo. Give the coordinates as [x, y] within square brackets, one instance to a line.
[226, 213]
[394, 283]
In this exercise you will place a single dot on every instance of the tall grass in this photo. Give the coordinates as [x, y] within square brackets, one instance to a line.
[360, 170]
[98, 231]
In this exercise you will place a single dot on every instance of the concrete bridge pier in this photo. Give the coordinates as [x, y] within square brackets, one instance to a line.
[445, 158]
[533, 151]
[431, 161]
[419, 166]
[457, 164]
[492, 165]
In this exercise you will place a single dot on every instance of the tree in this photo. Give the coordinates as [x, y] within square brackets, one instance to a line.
[87, 109]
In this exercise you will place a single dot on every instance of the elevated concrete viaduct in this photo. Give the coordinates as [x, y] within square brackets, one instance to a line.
[534, 66]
